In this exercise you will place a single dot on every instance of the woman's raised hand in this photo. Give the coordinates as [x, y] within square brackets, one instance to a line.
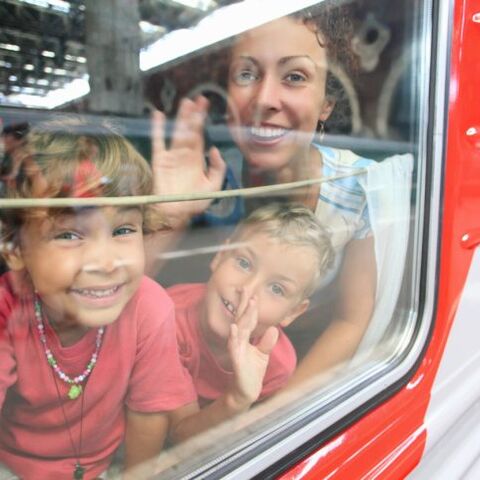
[181, 168]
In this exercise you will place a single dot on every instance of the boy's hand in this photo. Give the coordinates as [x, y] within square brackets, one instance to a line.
[249, 361]
[182, 168]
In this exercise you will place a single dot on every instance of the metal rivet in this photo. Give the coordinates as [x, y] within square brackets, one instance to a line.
[476, 17]
[465, 237]
[471, 131]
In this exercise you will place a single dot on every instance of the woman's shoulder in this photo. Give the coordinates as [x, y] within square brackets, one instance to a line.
[338, 160]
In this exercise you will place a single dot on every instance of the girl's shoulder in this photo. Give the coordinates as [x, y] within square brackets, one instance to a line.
[150, 297]
[12, 291]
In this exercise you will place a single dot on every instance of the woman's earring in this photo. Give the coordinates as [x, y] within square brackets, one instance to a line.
[321, 130]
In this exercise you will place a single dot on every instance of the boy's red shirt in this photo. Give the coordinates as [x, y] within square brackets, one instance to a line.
[209, 378]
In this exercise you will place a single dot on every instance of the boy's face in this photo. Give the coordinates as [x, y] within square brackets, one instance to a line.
[86, 265]
[277, 273]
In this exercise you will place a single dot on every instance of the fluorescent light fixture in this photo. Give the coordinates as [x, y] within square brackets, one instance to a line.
[203, 5]
[53, 99]
[9, 46]
[58, 5]
[74, 58]
[219, 25]
[48, 54]
[150, 28]
[29, 67]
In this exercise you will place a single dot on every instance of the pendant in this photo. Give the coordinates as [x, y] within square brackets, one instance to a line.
[74, 392]
[78, 472]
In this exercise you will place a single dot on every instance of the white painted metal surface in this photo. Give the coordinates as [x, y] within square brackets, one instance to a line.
[453, 416]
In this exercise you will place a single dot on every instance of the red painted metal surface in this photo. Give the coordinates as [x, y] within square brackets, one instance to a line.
[389, 441]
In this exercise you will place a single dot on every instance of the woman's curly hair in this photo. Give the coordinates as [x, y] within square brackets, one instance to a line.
[332, 22]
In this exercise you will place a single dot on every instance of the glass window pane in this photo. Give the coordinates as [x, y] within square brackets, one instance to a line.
[294, 133]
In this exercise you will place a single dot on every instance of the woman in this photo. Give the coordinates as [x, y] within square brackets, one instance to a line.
[278, 96]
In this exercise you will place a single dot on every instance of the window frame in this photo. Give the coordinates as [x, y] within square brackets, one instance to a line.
[337, 407]
[319, 421]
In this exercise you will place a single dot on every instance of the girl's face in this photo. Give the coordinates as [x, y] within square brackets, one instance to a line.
[84, 266]
[276, 87]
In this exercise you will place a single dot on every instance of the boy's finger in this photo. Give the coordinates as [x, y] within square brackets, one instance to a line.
[242, 305]
[248, 321]
[233, 338]
[268, 340]
[252, 314]
[158, 134]
[234, 343]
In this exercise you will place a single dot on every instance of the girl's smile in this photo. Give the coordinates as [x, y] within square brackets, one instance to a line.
[99, 297]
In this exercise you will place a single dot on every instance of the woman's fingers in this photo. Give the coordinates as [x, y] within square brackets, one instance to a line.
[158, 134]
[190, 123]
[216, 168]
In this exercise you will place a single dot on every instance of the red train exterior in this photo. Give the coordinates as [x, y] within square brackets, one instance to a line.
[389, 442]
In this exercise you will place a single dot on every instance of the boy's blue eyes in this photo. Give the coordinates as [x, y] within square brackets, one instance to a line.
[277, 289]
[243, 263]
[124, 231]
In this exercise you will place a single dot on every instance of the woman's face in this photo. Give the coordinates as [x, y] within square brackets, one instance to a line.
[277, 93]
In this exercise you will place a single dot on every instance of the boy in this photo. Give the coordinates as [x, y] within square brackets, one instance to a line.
[230, 330]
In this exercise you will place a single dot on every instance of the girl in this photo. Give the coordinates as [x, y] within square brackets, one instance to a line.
[279, 93]
[88, 353]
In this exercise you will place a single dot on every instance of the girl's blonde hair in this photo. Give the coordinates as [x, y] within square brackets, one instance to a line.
[72, 157]
[292, 224]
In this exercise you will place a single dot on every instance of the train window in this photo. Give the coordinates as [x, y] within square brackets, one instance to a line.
[263, 165]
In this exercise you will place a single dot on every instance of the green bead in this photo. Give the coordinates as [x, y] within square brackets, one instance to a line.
[74, 392]
[78, 472]
[51, 361]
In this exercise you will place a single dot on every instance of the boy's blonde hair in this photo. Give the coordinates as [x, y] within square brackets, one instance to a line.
[72, 157]
[292, 224]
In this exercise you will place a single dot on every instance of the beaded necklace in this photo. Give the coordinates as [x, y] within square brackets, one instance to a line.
[75, 382]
